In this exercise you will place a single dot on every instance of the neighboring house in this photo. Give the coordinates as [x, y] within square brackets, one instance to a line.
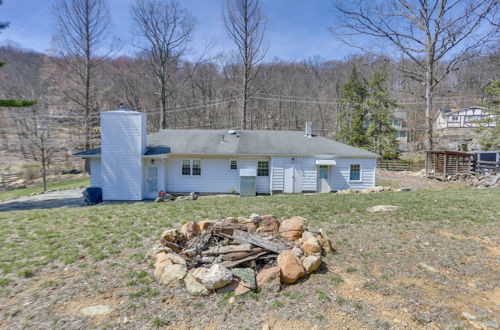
[456, 129]
[398, 122]
[131, 166]
[471, 117]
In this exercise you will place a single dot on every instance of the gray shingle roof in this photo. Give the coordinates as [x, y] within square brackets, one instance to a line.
[251, 142]
[248, 142]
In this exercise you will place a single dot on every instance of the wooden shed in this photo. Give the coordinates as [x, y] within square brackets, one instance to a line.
[448, 162]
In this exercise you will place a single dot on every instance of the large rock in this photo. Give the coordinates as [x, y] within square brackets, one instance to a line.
[162, 260]
[268, 279]
[382, 208]
[311, 263]
[293, 228]
[173, 275]
[214, 277]
[194, 287]
[255, 218]
[325, 242]
[269, 223]
[157, 248]
[205, 224]
[246, 276]
[290, 266]
[171, 235]
[311, 245]
[176, 259]
[190, 229]
[251, 227]
[96, 310]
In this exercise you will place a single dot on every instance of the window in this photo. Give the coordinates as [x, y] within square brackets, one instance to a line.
[191, 167]
[233, 164]
[197, 167]
[186, 167]
[355, 174]
[454, 118]
[263, 168]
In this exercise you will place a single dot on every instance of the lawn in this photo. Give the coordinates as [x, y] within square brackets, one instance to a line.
[51, 185]
[422, 265]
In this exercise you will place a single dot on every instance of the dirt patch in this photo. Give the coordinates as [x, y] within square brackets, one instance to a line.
[405, 179]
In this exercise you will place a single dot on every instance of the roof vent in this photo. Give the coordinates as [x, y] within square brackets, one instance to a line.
[121, 107]
[231, 132]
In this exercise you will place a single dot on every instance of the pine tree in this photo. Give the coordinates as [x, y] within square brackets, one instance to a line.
[353, 115]
[380, 132]
[12, 103]
[491, 137]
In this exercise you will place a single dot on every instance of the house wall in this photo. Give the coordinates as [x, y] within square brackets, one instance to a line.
[122, 146]
[341, 172]
[308, 172]
[95, 172]
[339, 176]
[216, 175]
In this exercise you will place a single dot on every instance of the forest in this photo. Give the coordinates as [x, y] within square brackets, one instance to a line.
[353, 100]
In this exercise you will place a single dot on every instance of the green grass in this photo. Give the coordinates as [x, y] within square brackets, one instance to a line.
[34, 240]
[51, 185]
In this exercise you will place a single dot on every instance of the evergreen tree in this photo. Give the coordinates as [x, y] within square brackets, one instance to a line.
[491, 137]
[353, 115]
[380, 132]
[12, 103]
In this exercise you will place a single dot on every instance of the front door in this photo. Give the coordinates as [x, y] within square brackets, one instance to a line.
[324, 178]
[152, 181]
[293, 178]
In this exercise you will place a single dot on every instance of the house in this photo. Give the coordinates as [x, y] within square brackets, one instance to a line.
[457, 129]
[467, 118]
[132, 166]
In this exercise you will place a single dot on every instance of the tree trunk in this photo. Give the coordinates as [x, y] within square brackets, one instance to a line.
[428, 98]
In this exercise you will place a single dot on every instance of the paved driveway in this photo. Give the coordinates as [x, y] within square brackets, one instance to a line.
[61, 198]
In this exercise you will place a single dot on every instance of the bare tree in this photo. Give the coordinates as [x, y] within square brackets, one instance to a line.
[82, 33]
[438, 36]
[245, 24]
[166, 28]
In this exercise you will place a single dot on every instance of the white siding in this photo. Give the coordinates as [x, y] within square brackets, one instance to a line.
[95, 172]
[307, 171]
[122, 145]
[339, 176]
[216, 175]
[341, 171]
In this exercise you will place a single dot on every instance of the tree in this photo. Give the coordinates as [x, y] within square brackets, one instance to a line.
[353, 115]
[491, 138]
[380, 131]
[245, 24]
[12, 103]
[437, 36]
[167, 29]
[82, 27]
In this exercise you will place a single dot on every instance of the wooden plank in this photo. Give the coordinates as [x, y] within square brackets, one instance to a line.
[230, 264]
[215, 250]
[244, 237]
[239, 255]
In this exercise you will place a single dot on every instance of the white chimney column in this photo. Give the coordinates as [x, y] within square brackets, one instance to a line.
[123, 142]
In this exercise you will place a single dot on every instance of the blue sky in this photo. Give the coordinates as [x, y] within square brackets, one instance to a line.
[297, 29]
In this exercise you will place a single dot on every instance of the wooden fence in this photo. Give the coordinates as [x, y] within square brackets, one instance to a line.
[482, 166]
[400, 165]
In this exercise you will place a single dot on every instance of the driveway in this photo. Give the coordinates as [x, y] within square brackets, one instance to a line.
[53, 199]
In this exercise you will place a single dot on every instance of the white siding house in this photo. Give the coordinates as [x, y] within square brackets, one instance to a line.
[133, 166]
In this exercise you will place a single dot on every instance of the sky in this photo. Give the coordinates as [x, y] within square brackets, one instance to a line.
[296, 29]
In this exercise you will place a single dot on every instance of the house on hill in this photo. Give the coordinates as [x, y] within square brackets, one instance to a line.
[456, 129]
[133, 166]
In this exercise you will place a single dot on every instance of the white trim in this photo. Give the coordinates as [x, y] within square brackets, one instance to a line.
[327, 162]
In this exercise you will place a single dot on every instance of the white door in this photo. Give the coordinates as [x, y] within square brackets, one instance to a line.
[152, 181]
[293, 179]
[324, 178]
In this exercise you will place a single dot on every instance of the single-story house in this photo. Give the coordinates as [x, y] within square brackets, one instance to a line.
[133, 166]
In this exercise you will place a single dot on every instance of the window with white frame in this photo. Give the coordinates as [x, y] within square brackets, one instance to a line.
[191, 167]
[263, 168]
[233, 164]
[355, 173]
